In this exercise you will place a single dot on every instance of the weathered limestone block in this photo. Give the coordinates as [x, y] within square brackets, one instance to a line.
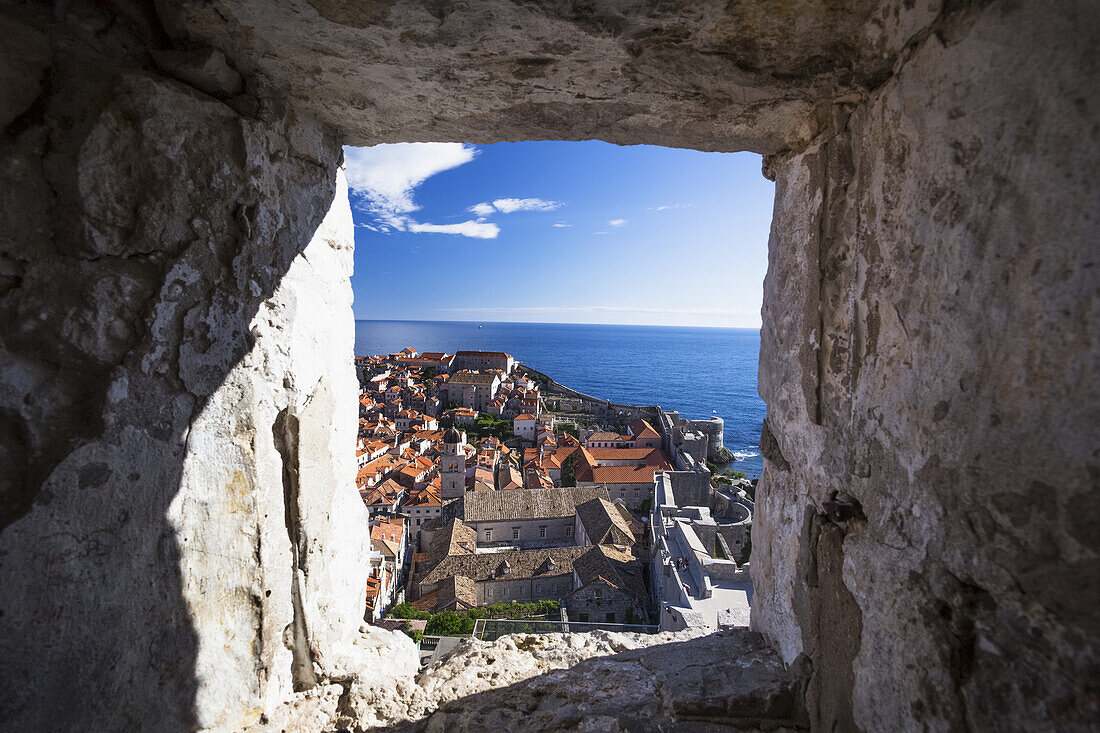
[592, 681]
[930, 352]
[708, 74]
[182, 543]
[177, 546]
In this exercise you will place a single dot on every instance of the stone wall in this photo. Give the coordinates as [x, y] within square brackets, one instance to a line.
[603, 603]
[182, 545]
[715, 430]
[177, 549]
[930, 350]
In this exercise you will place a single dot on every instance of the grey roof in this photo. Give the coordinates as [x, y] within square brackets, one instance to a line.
[472, 378]
[484, 354]
[528, 503]
[454, 538]
[521, 564]
[604, 524]
[456, 592]
[616, 567]
[452, 436]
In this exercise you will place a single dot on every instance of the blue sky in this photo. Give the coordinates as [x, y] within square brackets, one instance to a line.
[558, 232]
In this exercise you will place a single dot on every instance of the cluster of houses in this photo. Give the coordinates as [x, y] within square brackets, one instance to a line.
[459, 521]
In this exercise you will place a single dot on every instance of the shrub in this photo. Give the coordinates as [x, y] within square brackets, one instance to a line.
[406, 611]
[449, 623]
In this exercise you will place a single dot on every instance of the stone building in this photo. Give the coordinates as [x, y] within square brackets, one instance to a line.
[180, 406]
[483, 360]
[608, 587]
[472, 390]
[627, 473]
[524, 426]
[600, 522]
[525, 518]
[521, 575]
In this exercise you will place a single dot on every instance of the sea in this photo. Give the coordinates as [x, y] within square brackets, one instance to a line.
[699, 372]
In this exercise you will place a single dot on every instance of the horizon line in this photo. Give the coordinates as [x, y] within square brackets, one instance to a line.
[554, 323]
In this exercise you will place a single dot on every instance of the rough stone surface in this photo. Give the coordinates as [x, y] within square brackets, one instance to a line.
[182, 543]
[593, 681]
[706, 74]
[930, 350]
[177, 546]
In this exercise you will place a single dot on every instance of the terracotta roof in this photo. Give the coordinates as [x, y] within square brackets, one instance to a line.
[625, 454]
[642, 429]
[382, 494]
[429, 496]
[528, 503]
[524, 416]
[425, 602]
[589, 471]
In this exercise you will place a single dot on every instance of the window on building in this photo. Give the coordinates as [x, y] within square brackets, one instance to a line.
[598, 594]
[489, 592]
[515, 533]
[542, 532]
[568, 531]
[488, 535]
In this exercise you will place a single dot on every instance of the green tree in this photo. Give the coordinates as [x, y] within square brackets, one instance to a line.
[405, 610]
[569, 469]
[449, 623]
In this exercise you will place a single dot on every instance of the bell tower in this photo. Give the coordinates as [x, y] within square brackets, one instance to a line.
[452, 465]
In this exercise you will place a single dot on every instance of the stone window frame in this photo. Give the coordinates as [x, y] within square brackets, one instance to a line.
[542, 532]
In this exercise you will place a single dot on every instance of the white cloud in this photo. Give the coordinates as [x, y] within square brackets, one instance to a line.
[475, 229]
[385, 177]
[482, 209]
[665, 207]
[599, 232]
[507, 206]
[617, 222]
[560, 225]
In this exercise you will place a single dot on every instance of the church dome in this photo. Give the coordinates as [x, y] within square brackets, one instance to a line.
[452, 436]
